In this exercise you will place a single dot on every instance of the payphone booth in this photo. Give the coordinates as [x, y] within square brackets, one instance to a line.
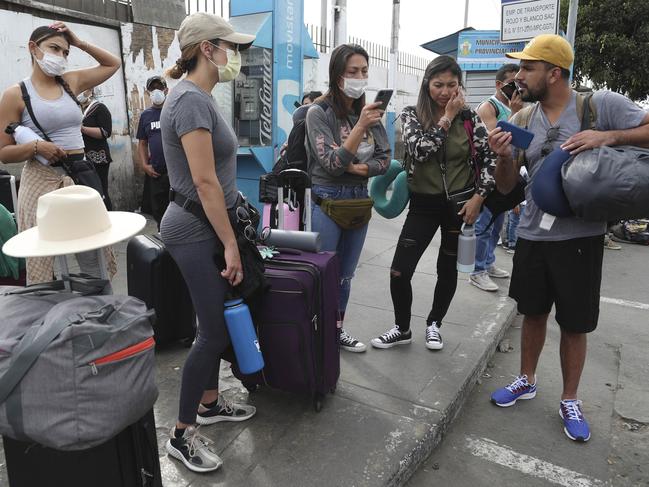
[262, 97]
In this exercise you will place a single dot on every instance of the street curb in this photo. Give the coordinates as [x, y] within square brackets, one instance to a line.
[500, 319]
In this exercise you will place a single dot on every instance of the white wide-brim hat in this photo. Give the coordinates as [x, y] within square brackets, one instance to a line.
[70, 220]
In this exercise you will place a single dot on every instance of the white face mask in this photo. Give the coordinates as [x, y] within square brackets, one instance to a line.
[158, 97]
[354, 88]
[82, 98]
[231, 69]
[51, 64]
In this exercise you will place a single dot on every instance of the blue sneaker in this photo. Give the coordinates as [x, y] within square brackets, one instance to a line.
[519, 389]
[574, 424]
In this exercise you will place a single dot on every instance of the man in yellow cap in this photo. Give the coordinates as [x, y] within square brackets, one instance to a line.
[558, 261]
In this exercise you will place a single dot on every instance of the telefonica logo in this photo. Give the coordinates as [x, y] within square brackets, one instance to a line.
[266, 97]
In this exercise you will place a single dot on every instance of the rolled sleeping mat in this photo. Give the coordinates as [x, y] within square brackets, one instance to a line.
[293, 239]
[547, 185]
[393, 207]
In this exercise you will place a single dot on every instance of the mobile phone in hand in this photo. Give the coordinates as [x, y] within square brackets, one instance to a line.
[509, 89]
[521, 138]
[383, 97]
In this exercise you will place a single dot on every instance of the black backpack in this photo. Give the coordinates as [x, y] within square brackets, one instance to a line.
[293, 156]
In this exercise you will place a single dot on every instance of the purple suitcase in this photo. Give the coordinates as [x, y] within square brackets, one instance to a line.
[296, 325]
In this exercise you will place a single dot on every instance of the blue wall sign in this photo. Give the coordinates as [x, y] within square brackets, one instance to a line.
[481, 50]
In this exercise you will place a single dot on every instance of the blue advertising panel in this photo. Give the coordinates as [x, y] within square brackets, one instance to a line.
[481, 50]
[287, 80]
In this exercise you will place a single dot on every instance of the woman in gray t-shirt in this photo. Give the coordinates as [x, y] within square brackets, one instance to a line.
[200, 152]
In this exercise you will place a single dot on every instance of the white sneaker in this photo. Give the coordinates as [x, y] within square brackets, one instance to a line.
[350, 343]
[433, 338]
[483, 281]
[497, 272]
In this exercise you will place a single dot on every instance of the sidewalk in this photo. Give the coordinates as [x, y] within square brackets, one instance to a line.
[391, 407]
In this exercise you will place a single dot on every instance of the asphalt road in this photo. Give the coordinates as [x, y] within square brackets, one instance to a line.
[525, 444]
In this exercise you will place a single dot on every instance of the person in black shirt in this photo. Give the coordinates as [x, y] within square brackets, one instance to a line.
[150, 148]
[96, 128]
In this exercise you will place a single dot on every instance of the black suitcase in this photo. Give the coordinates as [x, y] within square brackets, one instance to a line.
[154, 277]
[130, 459]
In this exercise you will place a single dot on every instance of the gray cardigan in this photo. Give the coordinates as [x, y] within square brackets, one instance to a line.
[327, 158]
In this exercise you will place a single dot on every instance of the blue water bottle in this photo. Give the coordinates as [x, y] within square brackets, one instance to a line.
[243, 336]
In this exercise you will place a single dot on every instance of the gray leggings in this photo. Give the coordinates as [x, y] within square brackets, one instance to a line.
[207, 289]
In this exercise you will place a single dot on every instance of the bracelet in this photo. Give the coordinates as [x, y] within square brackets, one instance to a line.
[35, 147]
[445, 122]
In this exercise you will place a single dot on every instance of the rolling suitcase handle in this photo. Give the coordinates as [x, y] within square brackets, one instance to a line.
[294, 178]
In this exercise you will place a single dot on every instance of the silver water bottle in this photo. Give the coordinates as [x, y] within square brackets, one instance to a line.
[466, 249]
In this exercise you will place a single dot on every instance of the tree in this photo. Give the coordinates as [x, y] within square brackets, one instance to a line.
[612, 44]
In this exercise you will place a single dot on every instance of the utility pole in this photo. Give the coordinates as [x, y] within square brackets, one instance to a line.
[324, 14]
[394, 45]
[340, 22]
[466, 14]
[572, 21]
[392, 72]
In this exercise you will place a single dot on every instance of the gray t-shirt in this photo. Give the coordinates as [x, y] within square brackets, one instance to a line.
[614, 112]
[189, 108]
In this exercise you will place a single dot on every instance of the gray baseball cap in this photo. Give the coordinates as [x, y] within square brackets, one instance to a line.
[201, 26]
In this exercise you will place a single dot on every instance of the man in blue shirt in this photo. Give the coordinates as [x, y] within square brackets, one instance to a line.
[149, 148]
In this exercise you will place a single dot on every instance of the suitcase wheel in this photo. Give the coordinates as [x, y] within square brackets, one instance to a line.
[250, 386]
[317, 402]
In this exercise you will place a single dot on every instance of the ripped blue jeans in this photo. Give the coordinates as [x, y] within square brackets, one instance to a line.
[347, 243]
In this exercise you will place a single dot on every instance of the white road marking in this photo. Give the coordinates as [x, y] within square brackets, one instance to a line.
[623, 302]
[493, 452]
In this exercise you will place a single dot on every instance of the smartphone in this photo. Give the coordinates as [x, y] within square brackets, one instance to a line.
[383, 97]
[521, 138]
[509, 89]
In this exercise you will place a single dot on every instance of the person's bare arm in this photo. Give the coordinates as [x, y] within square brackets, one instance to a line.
[197, 145]
[84, 79]
[143, 155]
[590, 139]
[94, 132]
[11, 108]
[487, 114]
[507, 170]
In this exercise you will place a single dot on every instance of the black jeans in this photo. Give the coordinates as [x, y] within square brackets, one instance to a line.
[426, 214]
[102, 172]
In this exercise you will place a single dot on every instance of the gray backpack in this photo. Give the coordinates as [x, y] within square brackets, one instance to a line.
[608, 184]
[75, 370]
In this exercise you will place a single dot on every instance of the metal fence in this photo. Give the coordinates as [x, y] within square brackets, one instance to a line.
[209, 6]
[378, 53]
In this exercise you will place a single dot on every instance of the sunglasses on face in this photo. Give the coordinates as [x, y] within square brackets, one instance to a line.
[550, 137]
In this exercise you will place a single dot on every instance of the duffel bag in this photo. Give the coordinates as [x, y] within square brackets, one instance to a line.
[608, 184]
[77, 375]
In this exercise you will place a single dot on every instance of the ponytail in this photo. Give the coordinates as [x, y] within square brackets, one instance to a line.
[186, 63]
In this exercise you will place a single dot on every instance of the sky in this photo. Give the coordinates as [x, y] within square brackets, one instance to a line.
[421, 20]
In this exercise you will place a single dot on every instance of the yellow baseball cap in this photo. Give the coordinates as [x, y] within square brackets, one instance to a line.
[550, 48]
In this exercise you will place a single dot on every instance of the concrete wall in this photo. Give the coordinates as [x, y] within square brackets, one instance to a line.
[15, 62]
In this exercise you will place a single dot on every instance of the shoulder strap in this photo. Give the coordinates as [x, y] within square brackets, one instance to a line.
[586, 111]
[522, 119]
[21, 364]
[28, 105]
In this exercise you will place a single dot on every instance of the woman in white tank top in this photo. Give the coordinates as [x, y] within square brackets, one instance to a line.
[53, 95]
